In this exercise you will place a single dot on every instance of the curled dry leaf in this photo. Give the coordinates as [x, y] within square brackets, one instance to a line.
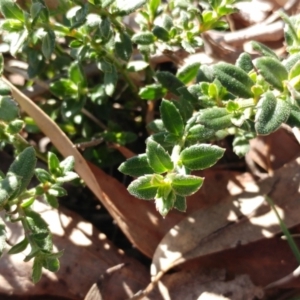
[88, 257]
[226, 225]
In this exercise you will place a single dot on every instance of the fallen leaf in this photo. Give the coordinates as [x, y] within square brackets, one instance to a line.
[207, 284]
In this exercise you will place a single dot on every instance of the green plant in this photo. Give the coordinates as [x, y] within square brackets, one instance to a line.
[252, 97]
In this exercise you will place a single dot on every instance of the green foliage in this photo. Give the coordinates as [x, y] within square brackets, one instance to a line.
[249, 98]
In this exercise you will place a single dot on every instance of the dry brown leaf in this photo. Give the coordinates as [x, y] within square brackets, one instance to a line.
[220, 227]
[273, 151]
[207, 284]
[87, 257]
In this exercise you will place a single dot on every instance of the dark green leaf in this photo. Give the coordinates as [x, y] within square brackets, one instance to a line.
[145, 187]
[125, 7]
[159, 160]
[152, 92]
[37, 270]
[4, 88]
[123, 46]
[156, 125]
[180, 203]
[169, 81]
[8, 186]
[9, 110]
[234, 79]
[272, 71]
[136, 166]
[105, 27]
[23, 166]
[245, 62]
[42, 175]
[48, 44]
[10, 10]
[263, 49]
[19, 247]
[51, 264]
[200, 133]
[161, 33]
[2, 236]
[271, 113]
[186, 185]
[143, 38]
[188, 72]
[52, 200]
[171, 117]
[57, 191]
[215, 118]
[199, 157]
[15, 126]
[294, 118]
[291, 61]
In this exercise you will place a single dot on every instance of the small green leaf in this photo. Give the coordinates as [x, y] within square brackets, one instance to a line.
[23, 166]
[110, 81]
[37, 270]
[8, 186]
[145, 187]
[67, 164]
[294, 118]
[271, 113]
[199, 157]
[105, 27]
[68, 176]
[53, 164]
[125, 7]
[63, 88]
[291, 61]
[76, 74]
[57, 191]
[2, 236]
[9, 110]
[48, 44]
[4, 88]
[143, 38]
[152, 92]
[156, 125]
[19, 247]
[161, 33]
[10, 10]
[180, 203]
[215, 118]
[15, 126]
[263, 49]
[159, 160]
[52, 200]
[169, 81]
[42, 175]
[136, 166]
[12, 25]
[171, 117]
[200, 133]
[164, 199]
[244, 62]
[234, 79]
[272, 71]
[186, 185]
[123, 45]
[18, 42]
[188, 72]
[51, 264]
[241, 144]
[153, 6]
